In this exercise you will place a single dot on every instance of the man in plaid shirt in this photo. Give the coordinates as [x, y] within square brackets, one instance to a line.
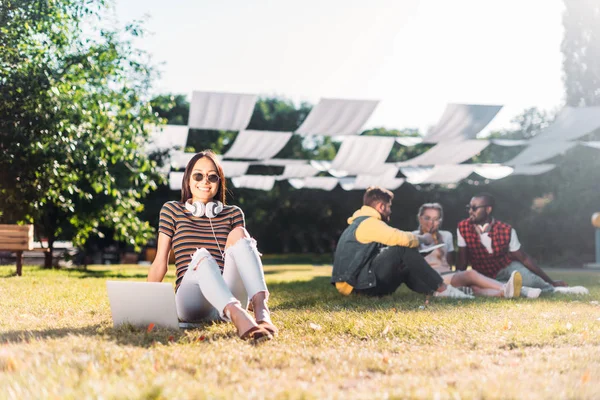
[493, 249]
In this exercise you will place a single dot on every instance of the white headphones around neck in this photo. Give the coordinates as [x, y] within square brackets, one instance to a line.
[199, 209]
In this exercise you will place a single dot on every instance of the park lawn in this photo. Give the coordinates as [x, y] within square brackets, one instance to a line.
[57, 341]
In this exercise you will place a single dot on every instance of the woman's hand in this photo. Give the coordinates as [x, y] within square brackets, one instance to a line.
[425, 238]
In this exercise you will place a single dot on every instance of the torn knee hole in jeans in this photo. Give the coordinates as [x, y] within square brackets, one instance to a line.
[251, 242]
[198, 257]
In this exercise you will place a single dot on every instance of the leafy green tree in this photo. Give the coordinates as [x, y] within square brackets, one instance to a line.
[73, 122]
[581, 52]
[175, 109]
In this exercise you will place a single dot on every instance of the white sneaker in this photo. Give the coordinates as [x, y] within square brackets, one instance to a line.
[512, 288]
[571, 290]
[451, 291]
[531, 293]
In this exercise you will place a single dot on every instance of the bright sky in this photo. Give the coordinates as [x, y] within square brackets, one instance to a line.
[413, 56]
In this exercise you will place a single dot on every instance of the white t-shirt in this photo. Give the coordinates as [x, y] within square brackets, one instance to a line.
[437, 258]
[486, 241]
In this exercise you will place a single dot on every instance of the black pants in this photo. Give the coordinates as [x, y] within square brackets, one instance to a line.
[396, 265]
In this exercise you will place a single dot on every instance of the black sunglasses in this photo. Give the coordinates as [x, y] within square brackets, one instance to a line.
[212, 178]
[474, 208]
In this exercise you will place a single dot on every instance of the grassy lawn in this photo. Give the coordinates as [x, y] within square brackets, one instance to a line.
[57, 341]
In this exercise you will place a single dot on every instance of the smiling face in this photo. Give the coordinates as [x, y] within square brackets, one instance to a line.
[203, 190]
[430, 220]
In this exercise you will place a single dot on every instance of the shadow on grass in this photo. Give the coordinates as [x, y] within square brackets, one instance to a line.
[319, 294]
[123, 335]
[110, 274]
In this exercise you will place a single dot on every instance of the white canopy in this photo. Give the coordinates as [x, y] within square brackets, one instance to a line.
[298, 171]
[461, 122]
[570, 124]
[333, 117]
[533, 169]
[447, 174]
[234, 168]
[386, 180]
[510, 142]
[168, 137]
[281, 162]
[258, 182]
[257, 144]
[221, 111]
[416, 175]
[363, 154]
[321, 165]
[447, 153]
[493, 171]
[180, 159]
[594, 145]
[409, 141]
[316, 182]
[175, 180]
[539, 152]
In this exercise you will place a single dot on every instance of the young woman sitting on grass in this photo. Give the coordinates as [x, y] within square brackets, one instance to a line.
[441, 259]
[217, 264]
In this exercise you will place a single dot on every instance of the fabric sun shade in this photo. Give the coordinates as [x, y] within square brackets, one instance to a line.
[386, 180]
[461, 122]
[298, 171]
[337, 117]
[168, 137]
[571, 123]
[317, 182]
[448, 174]
[175, 179]
[258, 182]
[363, 155]
[234, 168]
[447, 153]
[179, 159]
[255, 145]
[221, 111]
[536, 153]
[537, 169]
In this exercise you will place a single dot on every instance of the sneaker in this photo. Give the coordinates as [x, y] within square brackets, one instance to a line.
[453, 292]
[531, 293]
[466, 289]
[512, 288]
[571, 290]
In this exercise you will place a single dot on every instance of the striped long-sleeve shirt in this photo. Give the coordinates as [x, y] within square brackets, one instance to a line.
[188, 233]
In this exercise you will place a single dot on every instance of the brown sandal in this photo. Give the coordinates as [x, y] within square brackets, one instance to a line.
[256, 335]
[269, 327]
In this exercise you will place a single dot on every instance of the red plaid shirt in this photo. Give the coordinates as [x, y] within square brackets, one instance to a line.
[481, 260]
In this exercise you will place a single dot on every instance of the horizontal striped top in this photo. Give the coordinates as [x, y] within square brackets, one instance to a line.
[188, 233]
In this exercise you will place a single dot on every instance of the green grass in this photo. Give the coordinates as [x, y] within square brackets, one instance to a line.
[57, 341]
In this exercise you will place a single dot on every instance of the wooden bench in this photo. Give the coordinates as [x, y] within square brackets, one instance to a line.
[16, 239]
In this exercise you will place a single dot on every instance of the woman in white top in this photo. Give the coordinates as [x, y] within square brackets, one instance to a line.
[430, 218]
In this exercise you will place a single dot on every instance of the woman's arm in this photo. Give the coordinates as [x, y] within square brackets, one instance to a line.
[159, 266]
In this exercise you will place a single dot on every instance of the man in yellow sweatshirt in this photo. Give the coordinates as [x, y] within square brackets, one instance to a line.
[373, 258]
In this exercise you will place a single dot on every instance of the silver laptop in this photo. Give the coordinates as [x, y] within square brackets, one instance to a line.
[142, 303]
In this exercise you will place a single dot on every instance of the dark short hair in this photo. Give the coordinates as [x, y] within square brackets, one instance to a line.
[488, 198]
[186, 191]
[376, 194]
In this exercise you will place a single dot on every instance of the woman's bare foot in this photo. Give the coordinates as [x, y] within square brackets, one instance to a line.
[262, 313]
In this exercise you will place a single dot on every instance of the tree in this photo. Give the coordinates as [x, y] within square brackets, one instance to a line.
[73, 122]
[581, 52]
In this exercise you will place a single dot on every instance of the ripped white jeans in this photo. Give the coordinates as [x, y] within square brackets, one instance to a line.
[204, 293]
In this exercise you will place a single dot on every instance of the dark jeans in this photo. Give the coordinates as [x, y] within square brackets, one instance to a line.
[396, 265]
